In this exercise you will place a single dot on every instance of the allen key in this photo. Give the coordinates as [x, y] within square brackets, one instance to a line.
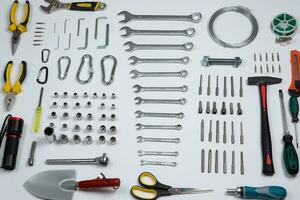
[106, 38]
[86, 40]
[69, 44]
[96, 26]
[78, 25]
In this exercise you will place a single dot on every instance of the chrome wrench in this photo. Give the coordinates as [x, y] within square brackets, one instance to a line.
[141, 139]
[139, 100]
[140, 126]
[139, 88]
[157, 153]
[134, 47]
[140, 114]
[135, 60]
[138, 74]
[169, 164]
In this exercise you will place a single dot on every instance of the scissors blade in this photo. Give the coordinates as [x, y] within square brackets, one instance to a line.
[175, 191]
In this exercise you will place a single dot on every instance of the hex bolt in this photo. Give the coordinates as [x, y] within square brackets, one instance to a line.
[239, 109]
[207, 61]
[78, 116]
[223, 109]
[65, 105]
[64, 127]
[200, 110]
[113, 140]
[76, 139]
[76, 128]
[85, 95]
[103, 96]
[214, 109]
[102, 129]
[88, 104]
[101, 139]
[75, 95]
[89, 116]
[88, 140]
[65, 116]
[103, 117]
[113, 130]
[113, 117]
[53, 115]
[231, 108]
[55, 95]
[54, 104]
[65, 95]
[89, 128]
[63, 139]
[102, 106]
[95, 95]
[77, 105]
[113, 96]
[207, 107]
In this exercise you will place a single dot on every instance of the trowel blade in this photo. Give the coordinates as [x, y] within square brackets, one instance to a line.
[47, 184]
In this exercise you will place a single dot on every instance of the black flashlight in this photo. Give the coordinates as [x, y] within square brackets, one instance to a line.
[14, 129]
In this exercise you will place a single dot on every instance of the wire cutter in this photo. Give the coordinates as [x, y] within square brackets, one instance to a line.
[153, 189]
[15, 28]
[12, 90]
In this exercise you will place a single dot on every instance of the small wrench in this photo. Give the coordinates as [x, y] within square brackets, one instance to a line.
[139, 88]
[133, 46]
[140, 126]
[157, 153]
[170, 164]
[137, 74]
[135, 60]
[141, 139]
[130, 32]
[140, 114]
[195, 17]
[140, 100]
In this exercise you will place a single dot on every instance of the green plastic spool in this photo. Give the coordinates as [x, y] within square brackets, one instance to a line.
[284, 25]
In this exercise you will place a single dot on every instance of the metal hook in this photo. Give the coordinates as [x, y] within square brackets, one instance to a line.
[45, 55]
[38, 79]
[63, 76]
[91, 72]
[112, 71]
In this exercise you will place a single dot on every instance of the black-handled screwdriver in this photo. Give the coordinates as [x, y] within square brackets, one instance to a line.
[290, 156]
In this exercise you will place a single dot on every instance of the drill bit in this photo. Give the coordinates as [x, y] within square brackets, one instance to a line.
[202, 131]
[210, 131]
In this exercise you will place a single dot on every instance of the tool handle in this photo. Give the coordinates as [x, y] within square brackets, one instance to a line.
[17, 88]
[12, 17]
[290, 156]
[99, 183]
[268, 167]
[7, 71]
[294, 108]
[267, 192]
[86, 6]
[37, 119]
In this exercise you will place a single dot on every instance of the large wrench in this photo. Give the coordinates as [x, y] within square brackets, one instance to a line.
[139, 88]
[135, 60]
[130, 32]
[195, 17]
[157, 153]
[140, 114]
[138, 74]
[139, 100]
[160, 163]
[133, 46]
[176, 127]
[141, 139]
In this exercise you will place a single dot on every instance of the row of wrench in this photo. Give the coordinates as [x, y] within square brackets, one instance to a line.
[216, 163]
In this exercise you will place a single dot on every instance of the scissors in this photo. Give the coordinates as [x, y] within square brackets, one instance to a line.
[152, 189]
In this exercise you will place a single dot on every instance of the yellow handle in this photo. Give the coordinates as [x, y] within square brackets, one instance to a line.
[12, 17]
[17, 88]
[143, 193]
[147, 179]
[37, 119]
[7, 71]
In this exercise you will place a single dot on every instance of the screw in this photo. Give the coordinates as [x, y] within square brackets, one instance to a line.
[103, 117]
[208, 86]
[113, 106]
[95, 95]
[209, 161]
[32, 152]
[200, 86]
[207, 107]
[55, 95]
[63, 139]
[88, 104]
[103, 96]
[200, 110]
[75, 95]
[231, 108]
[232, 133]
[89, 128]
[77, 105]
[113, 140]
[242, 134]
[113, 117]
[214, 109]
[64, 127]
[241, 86]
[210, 131]
[65, 105]
[88, 140]
[225, 87]
[232, 86]
[217, 86]
[224, 133]
[76, 139]
[207, 61]
[217, 131]
[239, 109]
[65, 116]
[223, 109]
[102, 106]
[85, 95]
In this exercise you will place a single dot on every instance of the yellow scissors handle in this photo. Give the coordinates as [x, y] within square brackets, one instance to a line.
[144, 193]
[12, 17]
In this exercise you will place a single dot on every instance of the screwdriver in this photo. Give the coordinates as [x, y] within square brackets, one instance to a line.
[266, 193]
[294, 109]
[38, 113]
[290, 156]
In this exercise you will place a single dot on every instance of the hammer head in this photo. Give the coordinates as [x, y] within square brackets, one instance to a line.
[263, 80]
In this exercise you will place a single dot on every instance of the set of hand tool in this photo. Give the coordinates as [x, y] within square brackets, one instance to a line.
[214, 108]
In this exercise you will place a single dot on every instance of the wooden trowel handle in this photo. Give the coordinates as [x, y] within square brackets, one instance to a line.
[99, 183]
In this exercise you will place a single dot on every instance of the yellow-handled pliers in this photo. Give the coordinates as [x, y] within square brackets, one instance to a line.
[12, 90]
[18, 29]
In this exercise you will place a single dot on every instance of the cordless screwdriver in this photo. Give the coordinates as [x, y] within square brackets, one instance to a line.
[265, 193]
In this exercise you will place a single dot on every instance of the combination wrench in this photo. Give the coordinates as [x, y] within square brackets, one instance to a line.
[195, 17]
[140, 114]
[134, 47]
[141, 139]
[130, 32]
[137, 74]
[139, 100]
[157, 153]
[160, 163]
[135, 60]
[139, 88]
[140, 126]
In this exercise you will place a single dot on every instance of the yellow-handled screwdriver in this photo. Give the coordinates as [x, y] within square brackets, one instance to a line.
[38, 113]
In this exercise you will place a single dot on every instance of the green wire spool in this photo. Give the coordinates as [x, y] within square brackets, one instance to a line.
[284, 26]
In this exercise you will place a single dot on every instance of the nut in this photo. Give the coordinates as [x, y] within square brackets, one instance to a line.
[113, 130]
[65, 116]
[53, 115]
[76, 139]
[89, 116]
[64, 127]
[78, 116]
[102, 139]
[65, 105]
[113, 117]
[88, 140]
[89, 128]
[76, 128]
[63, 139]
[54, 104]
[113, 140]
[103, 117]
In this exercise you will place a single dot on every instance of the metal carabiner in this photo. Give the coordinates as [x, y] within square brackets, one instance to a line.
[45, 55]
[112, 74]
[63, 76]
[91, 71]
[38, 79]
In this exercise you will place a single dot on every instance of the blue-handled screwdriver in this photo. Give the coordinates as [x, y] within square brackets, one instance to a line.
[265, 193]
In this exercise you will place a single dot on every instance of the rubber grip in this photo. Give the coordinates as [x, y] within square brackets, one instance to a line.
[266, 144]
[86, 6]
[290, 156]
[99, 183]
[7, 83]
[266, 192]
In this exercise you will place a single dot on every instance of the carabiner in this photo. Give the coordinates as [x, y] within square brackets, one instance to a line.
[91, 71]
[38, 79]
[112, 74]
[45, 55]
[63, 76]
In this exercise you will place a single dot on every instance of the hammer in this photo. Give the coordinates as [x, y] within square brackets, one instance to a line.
[266, 143]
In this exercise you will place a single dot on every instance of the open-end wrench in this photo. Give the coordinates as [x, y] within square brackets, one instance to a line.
[157, 153]
[139, 100]
[169, 164]
[140, 114]
[135, 60]
[141, 139]
[195, 17]
[138, 74]
[139, 88]
[130, 32]
[133, 46]
[140, 126]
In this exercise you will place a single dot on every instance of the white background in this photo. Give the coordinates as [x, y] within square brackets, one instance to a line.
[124, 160]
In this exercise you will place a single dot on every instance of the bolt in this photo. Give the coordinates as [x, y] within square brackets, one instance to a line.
[207, 107]
[207, 61]
[200, 110]
[214, 109]
[223, 109]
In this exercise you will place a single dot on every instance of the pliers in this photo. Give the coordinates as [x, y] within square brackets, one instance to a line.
[15, 28]
[12, 90]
